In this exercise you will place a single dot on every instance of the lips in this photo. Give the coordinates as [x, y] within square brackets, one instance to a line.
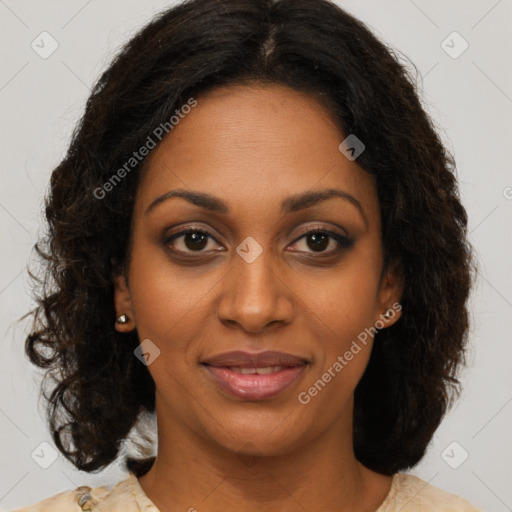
[254, 376]
[265, 359]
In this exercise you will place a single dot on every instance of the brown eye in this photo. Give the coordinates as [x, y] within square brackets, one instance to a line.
[320, 240]
[195, 241]
[191, 240]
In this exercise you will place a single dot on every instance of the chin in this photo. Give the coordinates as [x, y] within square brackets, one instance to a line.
[253, 437]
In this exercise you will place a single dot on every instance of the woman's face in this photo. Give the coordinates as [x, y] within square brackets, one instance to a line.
[249, 279]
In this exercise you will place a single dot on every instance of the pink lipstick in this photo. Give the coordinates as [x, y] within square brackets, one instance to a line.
[255, 376]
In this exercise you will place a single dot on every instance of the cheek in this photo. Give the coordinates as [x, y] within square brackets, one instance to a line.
[162, 293]
[346, 300]
[344, 308]
[348, 337]
[344, 339]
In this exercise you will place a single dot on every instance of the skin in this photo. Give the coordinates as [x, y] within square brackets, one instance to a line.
[254, 146]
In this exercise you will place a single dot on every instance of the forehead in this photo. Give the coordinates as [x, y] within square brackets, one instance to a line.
[252, 145]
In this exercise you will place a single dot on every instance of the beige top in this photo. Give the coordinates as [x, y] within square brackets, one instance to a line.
[408, 493]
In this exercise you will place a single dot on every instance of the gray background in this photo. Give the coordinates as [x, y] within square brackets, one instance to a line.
[470, 97]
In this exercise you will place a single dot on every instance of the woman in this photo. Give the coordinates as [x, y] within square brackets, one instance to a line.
[256, 234]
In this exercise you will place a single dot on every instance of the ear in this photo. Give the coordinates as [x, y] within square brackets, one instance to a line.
[391, 288]
[123, 305]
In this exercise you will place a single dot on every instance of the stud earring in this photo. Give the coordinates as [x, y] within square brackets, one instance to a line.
[387, 314]
[122, 319]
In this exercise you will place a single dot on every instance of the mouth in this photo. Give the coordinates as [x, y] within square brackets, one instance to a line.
[257, 376]
[257, 371]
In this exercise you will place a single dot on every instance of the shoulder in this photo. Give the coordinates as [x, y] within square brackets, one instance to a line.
[409, 493]
[67, 501]
[121, 497]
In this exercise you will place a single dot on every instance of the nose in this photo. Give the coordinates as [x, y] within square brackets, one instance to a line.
[254, 294]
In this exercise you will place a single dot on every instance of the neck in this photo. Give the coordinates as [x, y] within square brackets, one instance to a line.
[191, 473]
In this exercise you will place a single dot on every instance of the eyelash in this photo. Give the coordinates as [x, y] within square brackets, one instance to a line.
[344, 242]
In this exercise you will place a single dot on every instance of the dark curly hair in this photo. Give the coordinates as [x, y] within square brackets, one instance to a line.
[99, 389]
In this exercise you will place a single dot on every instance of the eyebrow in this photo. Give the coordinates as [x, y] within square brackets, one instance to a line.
[289, 205]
